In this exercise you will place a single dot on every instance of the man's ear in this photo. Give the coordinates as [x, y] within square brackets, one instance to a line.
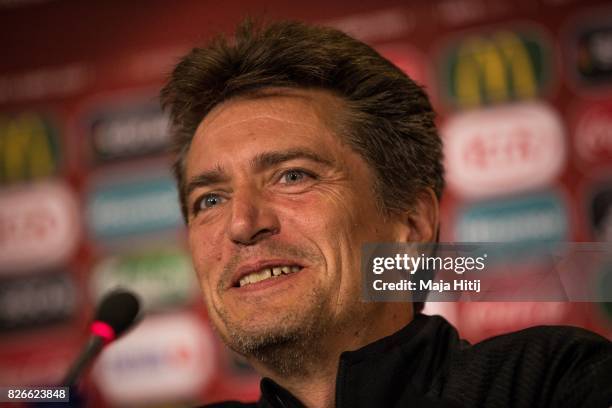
[423, 218]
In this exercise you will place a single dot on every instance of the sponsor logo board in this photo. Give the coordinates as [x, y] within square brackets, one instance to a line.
[131, 131]
[503, 149]
[166, 358]
[35, 301]
[141, 206]
[593, 134]
[162, 278]
[39, 226]
[531, 221]
[592, 55]
[29, 148]
[499, 66]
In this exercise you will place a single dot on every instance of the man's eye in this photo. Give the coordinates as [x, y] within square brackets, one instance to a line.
[293, 176]
[208, 201]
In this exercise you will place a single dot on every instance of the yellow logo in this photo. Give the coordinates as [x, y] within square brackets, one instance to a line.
[502, 67]
[28, 149]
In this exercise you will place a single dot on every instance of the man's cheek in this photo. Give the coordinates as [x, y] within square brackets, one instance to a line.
[204, 255]
[206, 277]
[202, 270]
[202, 283]
[312, 212]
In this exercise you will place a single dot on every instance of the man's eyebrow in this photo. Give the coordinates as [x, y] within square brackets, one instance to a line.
[206, 178]
[270, 159]
[260, 162]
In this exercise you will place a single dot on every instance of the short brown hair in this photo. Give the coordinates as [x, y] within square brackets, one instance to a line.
[390, 121]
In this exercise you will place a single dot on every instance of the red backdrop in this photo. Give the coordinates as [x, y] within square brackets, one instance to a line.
[523, 91]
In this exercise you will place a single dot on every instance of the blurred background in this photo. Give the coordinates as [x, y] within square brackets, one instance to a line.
[524, 94]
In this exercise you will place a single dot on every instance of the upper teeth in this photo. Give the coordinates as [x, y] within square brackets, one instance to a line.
[267, 273]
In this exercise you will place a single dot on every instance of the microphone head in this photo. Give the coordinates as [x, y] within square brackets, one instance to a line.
[118, 309]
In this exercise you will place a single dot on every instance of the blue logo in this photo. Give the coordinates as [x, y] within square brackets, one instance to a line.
[529, 220]
[128, 209]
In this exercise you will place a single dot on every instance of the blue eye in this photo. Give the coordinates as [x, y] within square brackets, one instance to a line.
[293, 176]
[207, 201]
[211, 200]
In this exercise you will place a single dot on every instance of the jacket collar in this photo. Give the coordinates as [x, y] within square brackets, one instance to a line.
[395, 370]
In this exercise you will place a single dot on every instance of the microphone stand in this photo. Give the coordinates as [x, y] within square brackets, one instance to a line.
[91, 349]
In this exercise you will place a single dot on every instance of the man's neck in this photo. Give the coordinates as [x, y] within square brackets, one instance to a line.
[317, 388]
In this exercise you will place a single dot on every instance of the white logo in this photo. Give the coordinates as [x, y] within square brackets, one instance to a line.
[165, 358]
[38, 226]
[503, 149]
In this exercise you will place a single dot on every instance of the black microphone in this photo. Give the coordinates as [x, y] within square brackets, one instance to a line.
[116, 313]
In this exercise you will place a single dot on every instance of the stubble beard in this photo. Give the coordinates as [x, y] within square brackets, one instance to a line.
[295, 343]
[291, 342]
[292, 346]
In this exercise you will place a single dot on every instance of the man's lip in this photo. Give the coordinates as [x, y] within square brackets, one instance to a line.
[256, 266]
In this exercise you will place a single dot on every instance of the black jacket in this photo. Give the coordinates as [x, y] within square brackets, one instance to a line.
[426, 365]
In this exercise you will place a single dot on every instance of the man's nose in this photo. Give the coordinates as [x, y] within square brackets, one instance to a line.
[253, 218]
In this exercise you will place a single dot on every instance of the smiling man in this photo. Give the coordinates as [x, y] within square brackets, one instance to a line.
[295, 145]
[278, 207]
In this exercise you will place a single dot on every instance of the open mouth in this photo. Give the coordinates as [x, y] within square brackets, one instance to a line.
[271, 272]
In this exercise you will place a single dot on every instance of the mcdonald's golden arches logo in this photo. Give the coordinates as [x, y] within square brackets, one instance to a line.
[28, 148]
[499, 67]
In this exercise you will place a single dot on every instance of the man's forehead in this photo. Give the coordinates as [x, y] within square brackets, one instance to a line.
[242, 129]
[291, 107]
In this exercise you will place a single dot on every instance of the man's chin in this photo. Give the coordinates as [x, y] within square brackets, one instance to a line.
[281, 352]
[278, 344]
[247, 338]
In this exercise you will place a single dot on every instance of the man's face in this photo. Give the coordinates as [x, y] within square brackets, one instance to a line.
[279, 207]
